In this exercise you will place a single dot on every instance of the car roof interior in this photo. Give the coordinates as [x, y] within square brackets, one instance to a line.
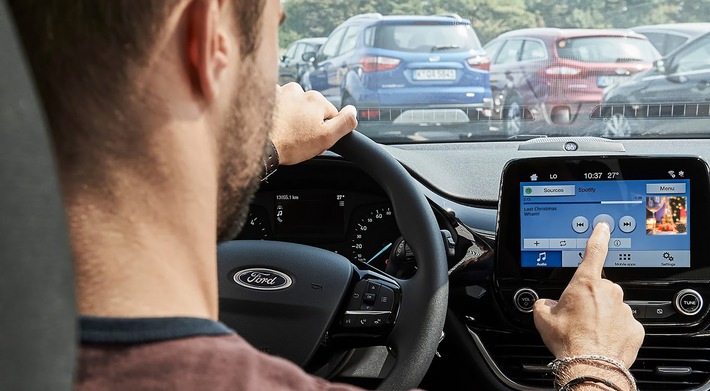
[38, 340]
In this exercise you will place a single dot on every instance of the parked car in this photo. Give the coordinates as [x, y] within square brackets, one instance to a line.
[559, 74]
[676, 88]
[405, 69]
[668, 37]
[292, 65]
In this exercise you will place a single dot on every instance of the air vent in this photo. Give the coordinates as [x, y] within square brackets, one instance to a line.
[667, 364]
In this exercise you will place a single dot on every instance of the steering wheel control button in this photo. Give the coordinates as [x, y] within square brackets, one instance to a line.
[524, 299]
[379, 320]
[688, 302]
[372, 287]
[363, 321]
[605, 218]
[370, 297]
[366, 319]
[580, 224]
[356, 298]
[385, 299]
[627, 224]
[659, 310]
[349, 320]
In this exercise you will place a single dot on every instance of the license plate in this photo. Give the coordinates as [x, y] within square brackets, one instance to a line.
[435, 74]
[606, 81]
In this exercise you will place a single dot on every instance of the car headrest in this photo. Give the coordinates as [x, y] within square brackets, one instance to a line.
[38, 341]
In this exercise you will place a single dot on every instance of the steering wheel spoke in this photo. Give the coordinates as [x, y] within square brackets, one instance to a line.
[370, 312]
[290, 300]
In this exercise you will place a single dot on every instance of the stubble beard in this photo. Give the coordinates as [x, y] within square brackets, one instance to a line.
[241, 149]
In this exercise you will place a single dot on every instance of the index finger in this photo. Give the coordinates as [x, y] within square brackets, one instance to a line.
[595, 253]
[315, 97]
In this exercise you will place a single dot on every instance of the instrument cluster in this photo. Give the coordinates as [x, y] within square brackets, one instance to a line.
[358, 225]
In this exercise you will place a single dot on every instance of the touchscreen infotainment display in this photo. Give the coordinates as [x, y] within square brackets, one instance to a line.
[656, 206]
[649, 220]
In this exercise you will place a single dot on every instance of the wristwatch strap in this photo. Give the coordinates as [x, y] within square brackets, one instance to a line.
[271, 160]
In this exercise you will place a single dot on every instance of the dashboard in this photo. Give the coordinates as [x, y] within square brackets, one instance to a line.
[535, 208]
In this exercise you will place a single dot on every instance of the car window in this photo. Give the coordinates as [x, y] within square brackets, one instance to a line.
[533, 50]
[349, 40]
[673, 42]
[696, 58]
[290, 51]
[658, 40]
[330, 48]
[510, 52]
[298, 53]
[493, 47]
[607, 49]
[426, 38]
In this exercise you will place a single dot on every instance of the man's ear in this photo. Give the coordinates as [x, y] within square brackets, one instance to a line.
[207, 45]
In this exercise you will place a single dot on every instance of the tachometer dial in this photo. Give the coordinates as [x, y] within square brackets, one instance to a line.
[373, 232]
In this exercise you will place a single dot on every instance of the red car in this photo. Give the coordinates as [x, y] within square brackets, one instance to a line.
[559, 74]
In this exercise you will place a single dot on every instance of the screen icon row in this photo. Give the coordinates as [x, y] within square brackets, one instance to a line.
[627, 224]
[567, 243]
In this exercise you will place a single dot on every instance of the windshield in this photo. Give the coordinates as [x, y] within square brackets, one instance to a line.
[486, 70]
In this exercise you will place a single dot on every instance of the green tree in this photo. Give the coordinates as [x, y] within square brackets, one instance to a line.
[314, 18]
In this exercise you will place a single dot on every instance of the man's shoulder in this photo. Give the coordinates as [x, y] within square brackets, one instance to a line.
[209, 362]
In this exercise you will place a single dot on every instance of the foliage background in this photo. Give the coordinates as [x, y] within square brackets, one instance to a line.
[317, 18]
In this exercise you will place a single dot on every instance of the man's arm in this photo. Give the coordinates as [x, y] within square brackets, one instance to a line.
[591, 319]
[306, 124]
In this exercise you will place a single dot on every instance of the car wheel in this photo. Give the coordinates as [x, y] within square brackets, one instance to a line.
[617, 126]
[513, 118]
[306, 297]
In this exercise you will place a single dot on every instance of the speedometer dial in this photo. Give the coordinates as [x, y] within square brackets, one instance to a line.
[373, 232]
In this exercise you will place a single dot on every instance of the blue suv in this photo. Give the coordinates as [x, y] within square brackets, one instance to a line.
[391, 67]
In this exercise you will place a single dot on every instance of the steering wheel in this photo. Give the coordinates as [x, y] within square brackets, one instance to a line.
[288, 299]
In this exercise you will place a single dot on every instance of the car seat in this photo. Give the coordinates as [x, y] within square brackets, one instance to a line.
[38, 340]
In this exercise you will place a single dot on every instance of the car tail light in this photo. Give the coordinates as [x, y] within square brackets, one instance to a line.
[369, 114]
[378, 63]
[480, 62]
[562, 71]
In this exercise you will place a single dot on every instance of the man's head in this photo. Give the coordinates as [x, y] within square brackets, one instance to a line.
[144, 67]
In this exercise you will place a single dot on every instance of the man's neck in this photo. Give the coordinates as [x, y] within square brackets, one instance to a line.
[146, 246]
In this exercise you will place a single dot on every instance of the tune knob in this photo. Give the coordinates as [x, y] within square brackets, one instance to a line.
[688, 302]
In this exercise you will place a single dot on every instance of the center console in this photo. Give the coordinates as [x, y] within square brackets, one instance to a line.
[658, 209]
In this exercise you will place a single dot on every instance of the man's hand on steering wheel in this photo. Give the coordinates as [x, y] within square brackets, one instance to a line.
[306, 124]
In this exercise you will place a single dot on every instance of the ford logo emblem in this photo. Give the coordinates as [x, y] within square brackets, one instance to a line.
[262, 279]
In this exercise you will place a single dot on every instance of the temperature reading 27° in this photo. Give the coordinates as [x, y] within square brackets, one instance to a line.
[612, 175]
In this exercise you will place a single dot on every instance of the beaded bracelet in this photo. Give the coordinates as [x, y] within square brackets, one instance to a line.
[559, 362]
[589, 379]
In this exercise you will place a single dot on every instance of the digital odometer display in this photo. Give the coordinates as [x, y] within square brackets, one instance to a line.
[309, 213]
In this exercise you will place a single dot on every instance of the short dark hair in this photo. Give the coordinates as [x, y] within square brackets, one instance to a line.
[84, 55]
